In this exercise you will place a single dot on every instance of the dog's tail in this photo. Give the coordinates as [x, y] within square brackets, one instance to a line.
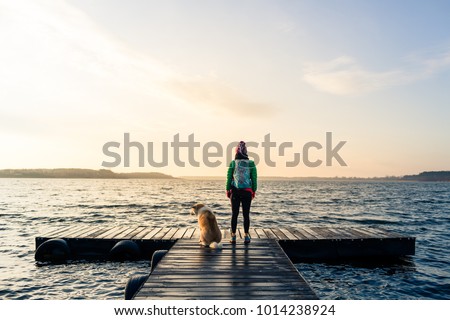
[215, 245]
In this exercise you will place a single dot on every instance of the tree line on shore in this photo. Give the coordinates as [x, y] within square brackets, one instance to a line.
[73, 173]
[80, 174]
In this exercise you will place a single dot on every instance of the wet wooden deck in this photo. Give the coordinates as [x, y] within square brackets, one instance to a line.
[152, 233]
[260, 270]
[303, 242]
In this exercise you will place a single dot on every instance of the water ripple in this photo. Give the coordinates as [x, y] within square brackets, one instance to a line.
[29, 208]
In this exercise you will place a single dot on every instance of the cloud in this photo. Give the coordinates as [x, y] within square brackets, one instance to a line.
[63, 36]
[345, 76]
[211, 93]
[438, 63]
[64, 60]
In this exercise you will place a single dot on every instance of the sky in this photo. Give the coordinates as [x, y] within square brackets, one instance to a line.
[76, 75]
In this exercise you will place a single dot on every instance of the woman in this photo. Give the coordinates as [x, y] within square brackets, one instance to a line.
[241, 188]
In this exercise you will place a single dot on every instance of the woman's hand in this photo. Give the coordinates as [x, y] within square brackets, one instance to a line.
[228, 194]
[253, 194]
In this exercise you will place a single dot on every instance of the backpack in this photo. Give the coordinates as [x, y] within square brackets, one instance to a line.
[241, 175]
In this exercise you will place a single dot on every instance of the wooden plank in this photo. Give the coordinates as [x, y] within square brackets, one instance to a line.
[368, 235]
[390, 234]
[253, 233]
[240, 233]
[108, 232]
[235, 250]
[169, 285]
[196, 234]
[239, 244]
[179, 234]
[254, 285]
[379, 233]
[160, 234]
[288, 234]
[220, 287]
[226, 247]
[299, 243]
[335, 234]
[270, 235]
[237, 259]
[342, 233]
[299, 234]
[312, 233]
[218, 277]
[169, 234]
[323, 233]
[189, 233]
[186, 268]
[87, 232]
[280, 235]
[262, 260]
[83, 232]
[56, 232]
[151, 234]
[143, 233]
[226, 234]
[237, 287]
[70, 231]
[135, 232]
[220, 291]
[230, 296]
[259, 253]
[96, 232]
[357, 235]
[114, 232]
[233, 273]
[261, 234]
[225, 251]
[118, 232]
[75, 231]
[124, 233]
[233, 292]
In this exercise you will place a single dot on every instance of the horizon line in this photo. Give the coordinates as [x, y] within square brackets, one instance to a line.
[223, 177]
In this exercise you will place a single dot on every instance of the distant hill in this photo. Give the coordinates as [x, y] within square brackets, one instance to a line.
[79, 174]
[429, 176]
[423, 176]
[108, 174]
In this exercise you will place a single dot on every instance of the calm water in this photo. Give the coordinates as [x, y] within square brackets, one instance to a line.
[30, 207]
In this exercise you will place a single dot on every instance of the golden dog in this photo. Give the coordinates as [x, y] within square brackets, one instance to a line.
[210, 234]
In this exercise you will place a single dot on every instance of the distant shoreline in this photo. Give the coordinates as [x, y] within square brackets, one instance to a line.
[75, 173]
[441, 176]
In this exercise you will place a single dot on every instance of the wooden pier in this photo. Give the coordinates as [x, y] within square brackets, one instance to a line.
[300, 244]
[260, 270]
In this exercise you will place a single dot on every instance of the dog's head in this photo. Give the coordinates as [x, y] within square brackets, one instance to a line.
[196, 207]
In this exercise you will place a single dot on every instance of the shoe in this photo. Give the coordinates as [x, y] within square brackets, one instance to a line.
[233, 239]
[247, 239]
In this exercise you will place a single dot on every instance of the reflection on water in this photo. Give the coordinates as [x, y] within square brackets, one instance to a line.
[30, 207]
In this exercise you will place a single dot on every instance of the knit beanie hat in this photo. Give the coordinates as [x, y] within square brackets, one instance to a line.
[242, 149]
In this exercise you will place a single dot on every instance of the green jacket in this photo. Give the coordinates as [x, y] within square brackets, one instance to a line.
[253, 174]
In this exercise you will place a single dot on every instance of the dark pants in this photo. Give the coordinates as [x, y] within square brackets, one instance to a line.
[238, 197]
